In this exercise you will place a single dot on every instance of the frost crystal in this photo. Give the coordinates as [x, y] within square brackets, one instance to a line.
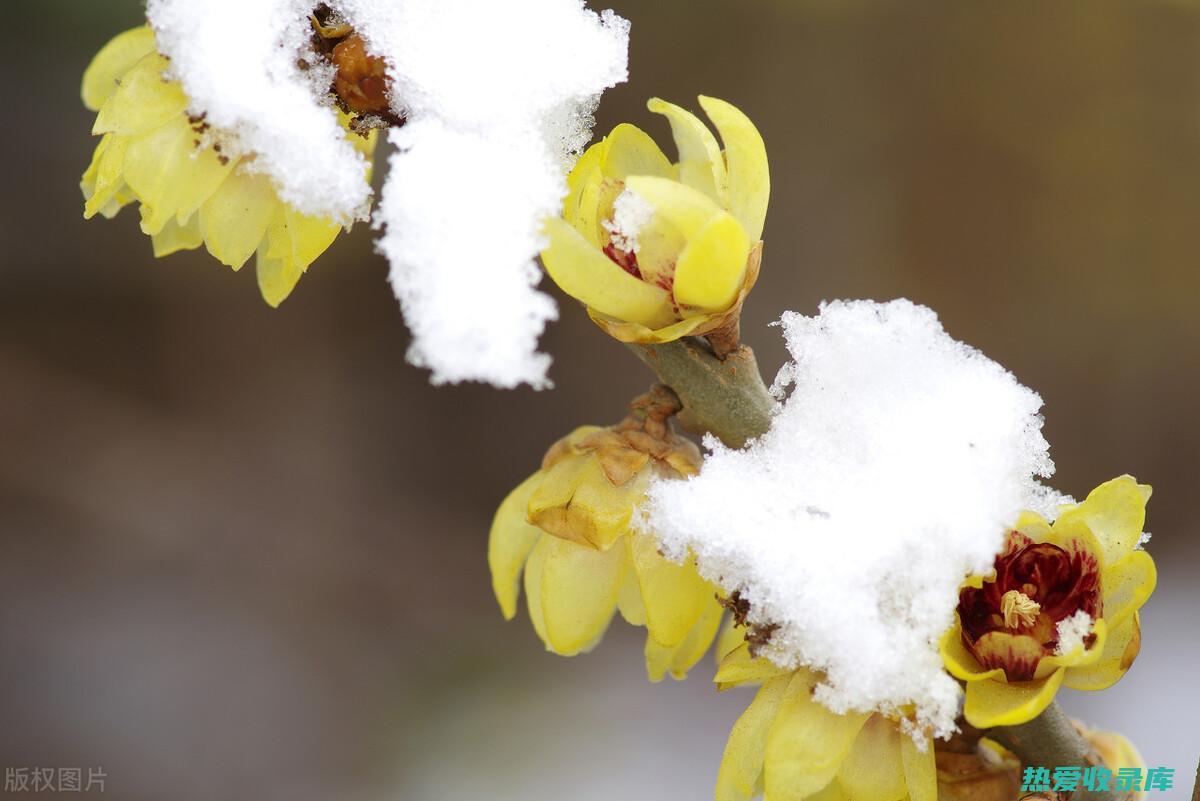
[498, 98]
[1072, 631]
[889, 474]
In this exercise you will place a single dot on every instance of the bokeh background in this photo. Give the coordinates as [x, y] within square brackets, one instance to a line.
[244, 549]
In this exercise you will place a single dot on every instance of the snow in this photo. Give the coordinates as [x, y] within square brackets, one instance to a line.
[631, 214]
[1072, 631]
[499, 100]
[890, 473]
[238, 63]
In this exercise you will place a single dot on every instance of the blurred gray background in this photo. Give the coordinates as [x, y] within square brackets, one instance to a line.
[244, 549]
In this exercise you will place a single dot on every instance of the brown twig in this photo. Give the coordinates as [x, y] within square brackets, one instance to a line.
[725, 397]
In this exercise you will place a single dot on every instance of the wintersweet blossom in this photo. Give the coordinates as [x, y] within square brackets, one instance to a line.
[660, 250]
[791, 747]
[193, 185]
[1060, 608]
[566, 528]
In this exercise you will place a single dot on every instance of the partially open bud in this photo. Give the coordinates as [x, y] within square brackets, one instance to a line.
[567, 530]
[592, 479]
[660, 250]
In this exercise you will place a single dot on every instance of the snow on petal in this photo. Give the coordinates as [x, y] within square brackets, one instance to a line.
[498, 99]
[240, 64]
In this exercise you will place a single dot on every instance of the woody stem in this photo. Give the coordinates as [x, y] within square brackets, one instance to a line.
[1051, 740]
[725, 397]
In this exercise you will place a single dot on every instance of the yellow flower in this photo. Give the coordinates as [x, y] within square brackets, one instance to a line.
[657, 250]
[790, 747]
[191, 193]
[1005, 643]
[567, 528]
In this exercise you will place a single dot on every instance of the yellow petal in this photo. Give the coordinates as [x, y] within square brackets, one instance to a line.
[678, 660]
[145, 100]
[1116, 514]
[712, 267]
[581, 205]
[873, 770]
[630, 151]
[659, 246]
[675, 595]
[175, 237]
[168, 175]
[746, 156]
[292, 243]
[961, 663]
[235, 219]
[1126, 585]
[688, 210]
[830, 792]
[739, 667]
[1033, 525]
[576, 501]
[732, 635]
[103, 75]
[992, 702]
[510, 540]
[1080, 656]
[742, 762]
[578, 593]
[586, 274]
[807, 742]
[104, 181]
[701, 165]
[1120, 650]
[535, 568]
[920, 770]
[629, 598]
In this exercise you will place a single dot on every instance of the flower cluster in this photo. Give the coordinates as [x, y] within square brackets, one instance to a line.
[853, 696]
[191, 182]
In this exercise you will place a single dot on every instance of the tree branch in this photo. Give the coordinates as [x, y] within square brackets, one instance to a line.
[725, 397]
[1051, 740]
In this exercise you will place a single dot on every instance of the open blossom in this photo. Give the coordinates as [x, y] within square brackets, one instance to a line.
[193, 185]
[567, 529]
[658, 250]
[789, 746]
[1061, 608]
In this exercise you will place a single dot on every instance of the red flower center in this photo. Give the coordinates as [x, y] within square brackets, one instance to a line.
[1036, 586]
[625, 259]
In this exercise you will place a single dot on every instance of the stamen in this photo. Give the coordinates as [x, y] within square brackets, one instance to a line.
[1019, 609]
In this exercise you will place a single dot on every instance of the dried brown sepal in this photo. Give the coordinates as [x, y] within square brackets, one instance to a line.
[758, 636]
[362, 81]
[737, 606]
